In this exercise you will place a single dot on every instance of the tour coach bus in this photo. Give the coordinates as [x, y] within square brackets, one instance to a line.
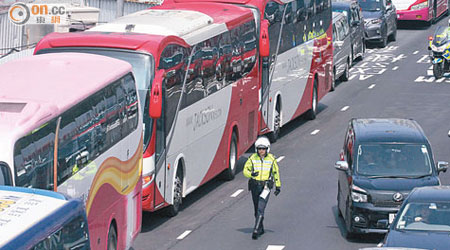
[38, 219]
[70, 123]
[197, 74]
[299, 70]
[421, 10]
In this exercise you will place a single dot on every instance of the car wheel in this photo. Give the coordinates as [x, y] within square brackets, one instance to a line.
[333, 81]
[352, 57]
[339, 202]
[348, 224]
[393, 36]
[311, 114]
[346, 74]
[363, 49]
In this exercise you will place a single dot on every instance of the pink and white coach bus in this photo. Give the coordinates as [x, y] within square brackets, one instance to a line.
[421, 10]
[70, 123]
[198, 76]
[298, 71]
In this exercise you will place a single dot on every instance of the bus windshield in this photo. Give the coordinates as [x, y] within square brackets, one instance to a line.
[143, 68]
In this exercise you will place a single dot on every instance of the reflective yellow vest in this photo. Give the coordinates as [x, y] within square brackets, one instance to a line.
[263, 166]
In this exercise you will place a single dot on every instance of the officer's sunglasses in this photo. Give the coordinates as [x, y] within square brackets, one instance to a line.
[262, 148]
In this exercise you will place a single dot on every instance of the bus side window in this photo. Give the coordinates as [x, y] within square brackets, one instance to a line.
[249, 38]
[33, 158]
[288, 33]
[273, 12]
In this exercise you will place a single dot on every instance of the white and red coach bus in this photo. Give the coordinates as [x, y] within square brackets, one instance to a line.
[198, 78]
[298, 72]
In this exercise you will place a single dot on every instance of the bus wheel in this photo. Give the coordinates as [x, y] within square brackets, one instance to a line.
[273, 136]
[230, 172]
[173, 209]
[311, 114]
[112, 238]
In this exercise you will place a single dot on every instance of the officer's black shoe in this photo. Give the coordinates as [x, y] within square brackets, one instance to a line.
[255, 235]
[261, 232]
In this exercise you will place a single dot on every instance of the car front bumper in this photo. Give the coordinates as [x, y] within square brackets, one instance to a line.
[369, 217]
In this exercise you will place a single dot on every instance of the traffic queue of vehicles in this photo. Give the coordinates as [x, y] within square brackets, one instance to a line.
[180, 78]
[201, 79]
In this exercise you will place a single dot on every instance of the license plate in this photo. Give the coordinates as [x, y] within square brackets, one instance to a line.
[391, 218]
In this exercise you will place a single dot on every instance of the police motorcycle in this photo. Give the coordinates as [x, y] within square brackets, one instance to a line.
[439, 47]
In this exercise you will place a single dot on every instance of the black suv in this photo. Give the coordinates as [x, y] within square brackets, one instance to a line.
[381, 162]
[380, 17]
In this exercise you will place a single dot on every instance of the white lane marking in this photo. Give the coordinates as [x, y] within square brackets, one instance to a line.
[395, 68]
[235, 194]
[315, 132]
[280, 158]
[275, 247]
[449, 133]
[183, 235]
[351, 77]
[344, 108]
[372, 86]
[416, 52]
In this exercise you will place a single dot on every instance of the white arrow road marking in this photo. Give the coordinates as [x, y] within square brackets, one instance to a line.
[183, 235]
[315, 132]
[344, 108]
[235, 194]
[280, 158]
[275, 247]
[372, 86]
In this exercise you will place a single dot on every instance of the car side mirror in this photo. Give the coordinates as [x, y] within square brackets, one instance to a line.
[382, 223]
[341, 165]
[442, 166]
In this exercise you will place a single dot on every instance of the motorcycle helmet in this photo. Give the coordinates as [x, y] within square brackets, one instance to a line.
[262, 142]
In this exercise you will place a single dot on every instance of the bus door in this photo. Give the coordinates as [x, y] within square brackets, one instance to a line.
[273, 13]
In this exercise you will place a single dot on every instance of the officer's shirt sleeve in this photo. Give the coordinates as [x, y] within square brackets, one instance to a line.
[248, 168]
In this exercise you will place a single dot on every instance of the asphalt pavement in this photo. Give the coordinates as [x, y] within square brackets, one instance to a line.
[391, 82]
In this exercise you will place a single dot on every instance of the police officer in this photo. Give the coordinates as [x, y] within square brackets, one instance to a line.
[262, 169]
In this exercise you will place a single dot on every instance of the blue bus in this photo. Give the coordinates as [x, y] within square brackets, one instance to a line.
[39, 219]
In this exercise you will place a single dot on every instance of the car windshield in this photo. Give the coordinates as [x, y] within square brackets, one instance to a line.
[371, 5]
[393, 160]
[431, 216]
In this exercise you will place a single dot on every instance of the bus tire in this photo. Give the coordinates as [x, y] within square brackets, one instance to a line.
[230, 172]
[311, 114]
[333, 80]
[273, 136]
[173, 209]
[112, 238]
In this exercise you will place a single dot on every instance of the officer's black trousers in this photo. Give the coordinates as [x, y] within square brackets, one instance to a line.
[259, 204]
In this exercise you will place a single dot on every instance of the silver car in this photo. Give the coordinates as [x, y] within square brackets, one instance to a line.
[341, 48]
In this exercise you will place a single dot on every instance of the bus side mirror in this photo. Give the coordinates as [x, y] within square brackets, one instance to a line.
[264, 45]
[155, 103]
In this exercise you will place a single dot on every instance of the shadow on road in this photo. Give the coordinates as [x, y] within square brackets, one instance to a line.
[357, 238]
[153, 220]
